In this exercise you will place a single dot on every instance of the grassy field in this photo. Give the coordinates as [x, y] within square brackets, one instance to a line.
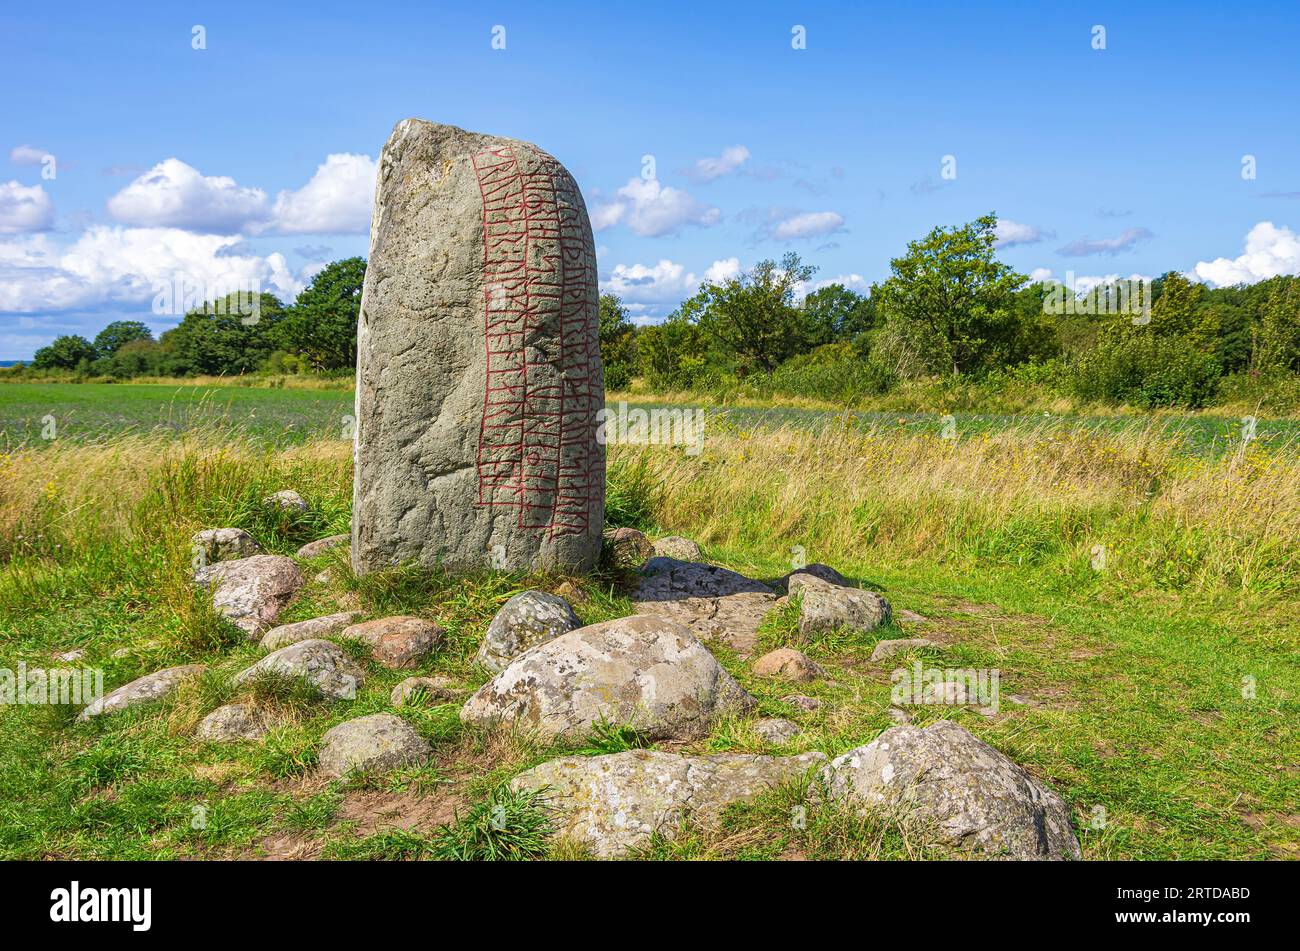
[1161, 689]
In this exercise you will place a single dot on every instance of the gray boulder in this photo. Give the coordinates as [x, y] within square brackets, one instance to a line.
[322, 664]
[232, 723]
[222, 544]
[321, 545]
[287, 500]
[478, 361]
[826, 606]
[610, 804]
[788, 664]
[713, 602]
[627, 546]
[776, 731]
[817, 570]
[644, 671]
[430, 690]
[377, 743]
[312, 629]
[967, 792]
[251, 592]
[675, 546]
[142, 690]
[526, 620]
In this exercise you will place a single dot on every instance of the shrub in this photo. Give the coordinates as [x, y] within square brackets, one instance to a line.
[1147, 370]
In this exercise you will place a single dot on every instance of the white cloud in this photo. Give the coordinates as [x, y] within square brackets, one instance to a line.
[175, 195]
[652, 210]
[1121, 242]
[650, 291]
[1082, 283]
[720, 272]
[339, 199]
[708, 169]
[1010, 233]
[1270, 251]
[24, 209]
[809, 225]
[27, 155]
[854, 282]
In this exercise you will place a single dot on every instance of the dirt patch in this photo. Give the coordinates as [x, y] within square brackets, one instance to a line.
[370, 811]
[285, 848]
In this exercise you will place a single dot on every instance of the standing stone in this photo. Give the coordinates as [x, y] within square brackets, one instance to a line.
[478, 361]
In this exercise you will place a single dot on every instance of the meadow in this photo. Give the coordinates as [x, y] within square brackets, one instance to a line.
[1135, 587]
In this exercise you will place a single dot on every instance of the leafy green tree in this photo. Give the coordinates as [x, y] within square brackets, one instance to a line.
[221, 339]
[65, 353]
[835, 313]
[1277, 338]
[673, 354]
[119, 333]
[617, 342]
[951, 302]
[753, 317]
[321, 326]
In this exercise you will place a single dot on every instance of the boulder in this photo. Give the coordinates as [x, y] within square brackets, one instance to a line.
[377, 743]
[961, 788]
[313, 629]
[323, 664]
[232, 723]
[827, 607]
[430, 690]
[776, 731]
[251, 592]
[788, 664]
[807, 704]
[887, 649]
[142, 690]
[627, 547]
[286, 500]
[610, 804]
[398, 643]
[713, 602]
[321, 545]
[479, 377]
[222, 544]
[643, 671]
[526, 620]
[675, 546]
[817, 570]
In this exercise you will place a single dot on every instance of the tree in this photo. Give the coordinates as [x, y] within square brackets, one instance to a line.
[1277, 339]
[220, 339]
[753, 317]
[673, 354]
[951, 302]
[65, 353]
[617, 342]
[834, 314]
[119, 333]
[321, 326]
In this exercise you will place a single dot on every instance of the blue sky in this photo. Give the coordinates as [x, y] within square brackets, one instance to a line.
[253, 159]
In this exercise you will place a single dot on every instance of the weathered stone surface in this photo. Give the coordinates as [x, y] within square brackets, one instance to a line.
[377, 743]
[645, 671]
[221, 544]
[572, 593]
[675, 546]
[613, 803]
[323, 664]
[899, 715]
[251, 592]
[817, 570]
[144, 689]
[478, 371]
[312, 629]
[628, 547]
[321, 545]
[526, 620]
[232, 723]
[887, 649]
[972, 795]
[713, 602]
[399, 643]
[788, 664]
[807, 704]
[430, 690]
[826, 606]
[286, 499]
[776, 730]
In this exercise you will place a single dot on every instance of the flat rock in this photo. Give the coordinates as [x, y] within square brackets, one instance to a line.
[713, 602]
[323, 664]
[251, 592]
[675, 546]
[886, 649]
[807, 704]
[610, 804]
[286, 499]
[430, 690]
[398, 643]
[312, 629]
[788, 664]
[643, 671]
[526, 620]
[142, 690]
[970, 794]
[627, 547]
[232, 723]
[377, 743]
[827, 607]
[775, 730]
[222, 544]
[321, 545]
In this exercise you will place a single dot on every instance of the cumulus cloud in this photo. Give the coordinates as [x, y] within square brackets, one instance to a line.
[1082, 283]
[1120, 243]
[339, 199]
[650, 291]
[808, 224]
[24, 208]
[27, 155]
[1011, 233]
[173, 194]
[1270, 251]
[710, 168]
[719, 272]
[653, 210]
